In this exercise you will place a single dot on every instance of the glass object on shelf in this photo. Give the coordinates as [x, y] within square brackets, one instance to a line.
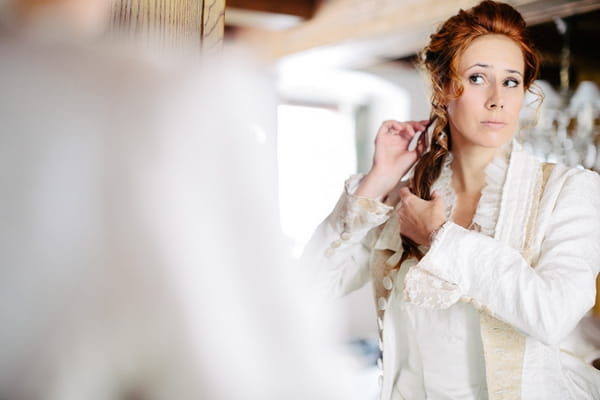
[564, 129]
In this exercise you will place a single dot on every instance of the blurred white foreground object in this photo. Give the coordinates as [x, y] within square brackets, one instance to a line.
[140, 245]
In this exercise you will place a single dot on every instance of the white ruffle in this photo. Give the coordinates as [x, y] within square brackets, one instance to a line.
[429, 291]
[443, 185]
[488, 209]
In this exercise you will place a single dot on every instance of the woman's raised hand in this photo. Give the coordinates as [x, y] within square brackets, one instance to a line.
[393, 157]
[418, 218]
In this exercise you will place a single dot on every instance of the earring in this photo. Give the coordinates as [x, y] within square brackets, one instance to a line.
[442, 140]
[441, 136]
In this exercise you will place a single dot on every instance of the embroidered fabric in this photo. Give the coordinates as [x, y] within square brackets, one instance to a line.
[504, 349]
[360, 213]
[390, 239]
[429, 291]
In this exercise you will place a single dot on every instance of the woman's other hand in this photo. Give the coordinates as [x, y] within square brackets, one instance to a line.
[420, 218]
[392, 158]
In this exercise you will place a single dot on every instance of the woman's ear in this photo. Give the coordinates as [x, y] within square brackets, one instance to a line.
[452, 91]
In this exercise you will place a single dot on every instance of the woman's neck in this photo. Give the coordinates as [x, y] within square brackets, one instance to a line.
[468, 168]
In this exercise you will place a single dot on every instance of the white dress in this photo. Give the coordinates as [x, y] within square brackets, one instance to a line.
[429, 312]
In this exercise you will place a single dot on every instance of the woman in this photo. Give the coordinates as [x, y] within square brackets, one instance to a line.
[485, 259]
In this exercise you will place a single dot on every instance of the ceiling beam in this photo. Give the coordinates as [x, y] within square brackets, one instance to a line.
[541, 11]
[299, 8]
[351, 32]
[348, 22]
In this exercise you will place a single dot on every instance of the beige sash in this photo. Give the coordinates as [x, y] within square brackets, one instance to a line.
[503, 346]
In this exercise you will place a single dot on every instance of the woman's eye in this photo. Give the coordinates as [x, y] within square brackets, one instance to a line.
[511, 83]
[476, 79]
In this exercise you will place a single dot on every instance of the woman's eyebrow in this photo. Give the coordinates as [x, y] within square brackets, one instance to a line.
[514, 71]
[481, 65]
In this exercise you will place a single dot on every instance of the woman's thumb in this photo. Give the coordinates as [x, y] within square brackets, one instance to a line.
[436, 197]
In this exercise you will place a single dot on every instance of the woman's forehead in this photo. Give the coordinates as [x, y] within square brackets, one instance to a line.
[497, 52]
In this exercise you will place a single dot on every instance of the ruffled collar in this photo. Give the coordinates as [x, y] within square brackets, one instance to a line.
[486, 214]
[443, 185]
[488, 208]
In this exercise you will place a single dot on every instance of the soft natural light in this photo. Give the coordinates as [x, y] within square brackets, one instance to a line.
[316, 152]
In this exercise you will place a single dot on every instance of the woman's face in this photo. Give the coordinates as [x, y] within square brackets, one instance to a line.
[486, 114]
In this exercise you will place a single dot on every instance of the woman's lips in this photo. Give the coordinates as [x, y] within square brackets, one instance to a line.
[493, 124]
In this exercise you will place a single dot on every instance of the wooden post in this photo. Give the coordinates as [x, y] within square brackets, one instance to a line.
[213, 24]
[171, 23]
[597, 306]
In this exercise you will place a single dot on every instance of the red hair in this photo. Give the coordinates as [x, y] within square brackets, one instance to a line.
[440, 59]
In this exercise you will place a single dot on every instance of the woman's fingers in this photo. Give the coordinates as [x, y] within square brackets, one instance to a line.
[418, 217]
[405, 129]
[401, 129]
[405, 194]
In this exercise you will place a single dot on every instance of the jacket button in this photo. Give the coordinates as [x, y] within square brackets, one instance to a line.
[345, 235]
[387, 283]
[381, 303]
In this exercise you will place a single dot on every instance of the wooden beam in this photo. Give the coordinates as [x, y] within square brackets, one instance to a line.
[213, 24]
[300, 8]
[171, 23]
[343, 21]
[384, 28]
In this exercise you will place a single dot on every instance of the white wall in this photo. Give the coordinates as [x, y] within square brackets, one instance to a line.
[371, 96]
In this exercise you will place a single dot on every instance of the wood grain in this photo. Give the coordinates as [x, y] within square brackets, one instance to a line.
[213, 24]
[171, 23]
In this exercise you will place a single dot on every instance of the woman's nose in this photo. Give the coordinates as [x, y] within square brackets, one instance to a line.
[495, 99]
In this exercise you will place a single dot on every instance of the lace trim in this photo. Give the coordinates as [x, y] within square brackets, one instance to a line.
[443, 185]
[427, 290]
[488, 209]
[361, 213]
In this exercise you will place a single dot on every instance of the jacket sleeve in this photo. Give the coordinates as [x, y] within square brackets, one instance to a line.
[338, 252]
[547, 301]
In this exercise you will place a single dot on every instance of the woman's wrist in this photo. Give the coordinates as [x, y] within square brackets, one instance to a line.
[434, 233]
[375, 186]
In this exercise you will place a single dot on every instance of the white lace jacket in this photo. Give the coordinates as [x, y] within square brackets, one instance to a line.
[429, 312]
